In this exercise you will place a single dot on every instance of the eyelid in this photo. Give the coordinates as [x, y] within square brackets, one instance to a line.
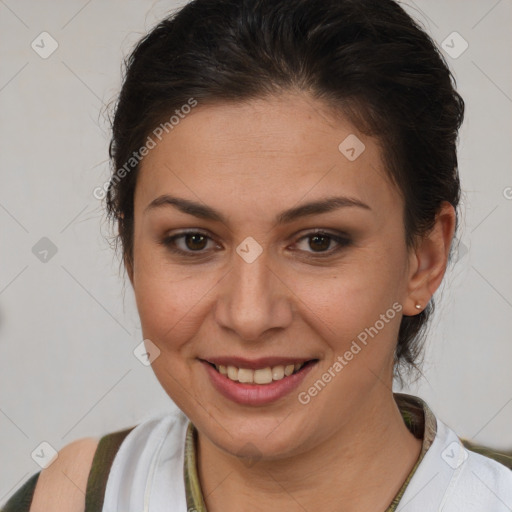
[168, 241]
[342, 240]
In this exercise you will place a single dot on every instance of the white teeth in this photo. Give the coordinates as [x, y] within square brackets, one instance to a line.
[278, 372]
[245, 375]
[263, 376]
[260, 376]
[233, 373]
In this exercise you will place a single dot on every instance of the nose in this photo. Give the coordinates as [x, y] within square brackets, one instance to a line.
[253, 299]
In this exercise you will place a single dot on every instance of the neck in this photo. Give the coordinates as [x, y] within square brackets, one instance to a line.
[366, 465]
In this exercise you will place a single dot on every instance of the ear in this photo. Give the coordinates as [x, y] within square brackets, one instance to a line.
[428, 261]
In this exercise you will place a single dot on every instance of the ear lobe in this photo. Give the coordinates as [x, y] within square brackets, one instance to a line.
[429, 260]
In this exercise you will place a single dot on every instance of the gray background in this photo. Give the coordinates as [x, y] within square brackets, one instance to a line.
[68, 326]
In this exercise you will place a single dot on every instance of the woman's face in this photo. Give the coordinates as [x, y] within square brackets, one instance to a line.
[252, 287]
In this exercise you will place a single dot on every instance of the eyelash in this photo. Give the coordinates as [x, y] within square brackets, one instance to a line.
[342, 241]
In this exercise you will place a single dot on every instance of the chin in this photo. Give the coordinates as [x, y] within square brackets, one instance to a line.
[268, 438]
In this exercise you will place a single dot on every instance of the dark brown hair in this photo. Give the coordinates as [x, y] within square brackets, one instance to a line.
[366, 58]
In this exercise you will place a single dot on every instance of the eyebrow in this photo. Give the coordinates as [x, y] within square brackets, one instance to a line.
[208, 213]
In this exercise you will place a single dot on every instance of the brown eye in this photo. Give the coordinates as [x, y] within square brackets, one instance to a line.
[195, 241]
[188, 243]
[319, 243]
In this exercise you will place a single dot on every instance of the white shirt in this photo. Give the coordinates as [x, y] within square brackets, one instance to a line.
[147, 474]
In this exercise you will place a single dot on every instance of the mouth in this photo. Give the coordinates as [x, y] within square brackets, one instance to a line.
[261, 371]
[257, 382]
[261, 376]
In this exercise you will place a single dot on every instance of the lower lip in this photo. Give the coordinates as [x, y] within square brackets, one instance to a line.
[255, 394]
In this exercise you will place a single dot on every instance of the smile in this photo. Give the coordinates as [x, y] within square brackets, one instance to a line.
[259, 376]
[258, 382]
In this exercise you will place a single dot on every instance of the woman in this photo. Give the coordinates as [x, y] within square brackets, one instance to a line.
[286, 189]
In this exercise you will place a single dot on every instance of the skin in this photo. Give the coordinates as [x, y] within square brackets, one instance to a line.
[250, 161]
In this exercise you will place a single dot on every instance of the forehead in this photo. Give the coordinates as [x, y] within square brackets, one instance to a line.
[263, 154]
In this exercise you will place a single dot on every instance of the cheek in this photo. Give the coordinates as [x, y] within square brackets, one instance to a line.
[167, 307]
[343, 311]
[360, 300]
[171, 299]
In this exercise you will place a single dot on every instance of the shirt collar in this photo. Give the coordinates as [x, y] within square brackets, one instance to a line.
[418, 417]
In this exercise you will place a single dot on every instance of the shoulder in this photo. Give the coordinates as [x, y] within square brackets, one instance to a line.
[490, 483]
[502, 456]
[93, 469]
[154, 448]
[135, 457]
[452, 478]
[476, 482]
[62, 485]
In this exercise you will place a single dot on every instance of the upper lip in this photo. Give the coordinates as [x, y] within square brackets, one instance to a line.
[254, 364]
